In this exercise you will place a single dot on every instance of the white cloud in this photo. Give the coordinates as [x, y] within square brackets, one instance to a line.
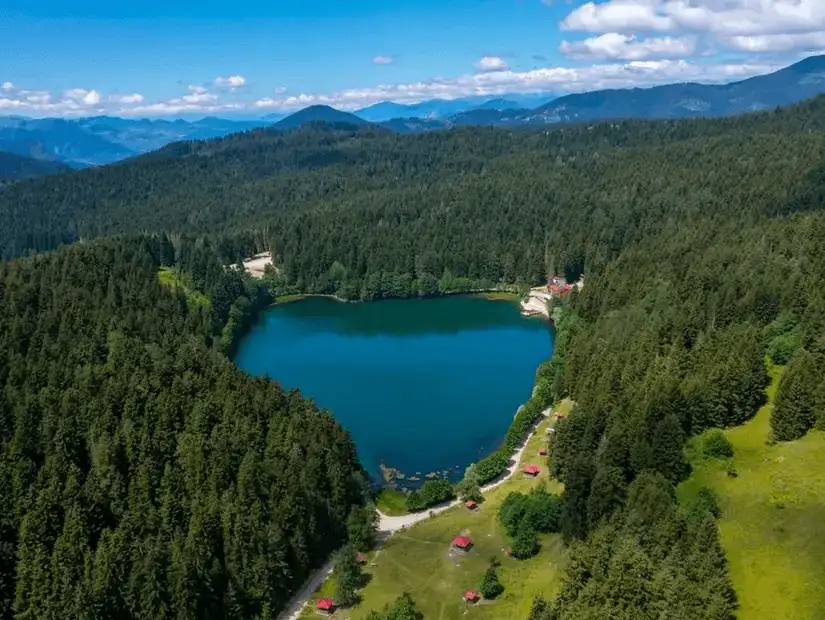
[615, 46]
[382, 60]
[91, 98]
[7, 86]
[776, 42]
[126, 99]
[618, 16]
[232, 81]
[492, 63]
[554, 79]
[81, 95]
[196, 89]
[727, 17]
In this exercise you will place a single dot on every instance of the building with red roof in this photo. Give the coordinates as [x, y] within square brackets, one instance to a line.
[532, 470]
[325, 605]
[542, 452]
[462, 543]
[360, 558]
[471, 596]
[471, 504]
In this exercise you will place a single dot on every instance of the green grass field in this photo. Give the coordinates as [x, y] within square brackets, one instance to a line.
[170, 278]
[391, 502]
[773, 518]
[419, 561]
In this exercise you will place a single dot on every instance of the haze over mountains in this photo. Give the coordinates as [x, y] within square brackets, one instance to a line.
[102, 140]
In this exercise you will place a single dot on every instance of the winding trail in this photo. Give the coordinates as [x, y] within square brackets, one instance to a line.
[388, 525]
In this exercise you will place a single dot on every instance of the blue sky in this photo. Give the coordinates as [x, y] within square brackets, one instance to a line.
[244, 57]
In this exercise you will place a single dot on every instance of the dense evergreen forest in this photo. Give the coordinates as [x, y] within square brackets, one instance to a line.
[131, 444]
[143, 475]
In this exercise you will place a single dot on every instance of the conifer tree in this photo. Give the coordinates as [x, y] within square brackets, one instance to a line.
[794, 409]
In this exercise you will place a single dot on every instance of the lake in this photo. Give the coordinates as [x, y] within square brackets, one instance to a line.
[423, 385]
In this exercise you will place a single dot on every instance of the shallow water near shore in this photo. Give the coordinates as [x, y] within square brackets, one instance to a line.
[423, 385]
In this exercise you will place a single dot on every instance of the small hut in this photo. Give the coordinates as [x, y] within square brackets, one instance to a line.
[462, 543]
[542, 452]
[325, 606]
[471, 596]
[532, 470]
[471, 504]
[360, 558]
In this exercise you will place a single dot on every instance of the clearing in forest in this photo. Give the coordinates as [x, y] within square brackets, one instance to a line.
[419, 561]
[773, 517]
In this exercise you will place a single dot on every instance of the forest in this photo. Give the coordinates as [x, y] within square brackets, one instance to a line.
[143, 475]
[132, 447]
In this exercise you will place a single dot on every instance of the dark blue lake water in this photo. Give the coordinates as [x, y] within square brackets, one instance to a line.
[423, 385]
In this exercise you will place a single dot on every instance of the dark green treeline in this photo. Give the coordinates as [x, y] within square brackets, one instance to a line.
[143, 475]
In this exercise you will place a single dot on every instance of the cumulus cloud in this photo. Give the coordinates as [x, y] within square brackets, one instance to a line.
[232, 81]
[728, 17]
[81, 95]
[615, 46]
[492, 63]
[126, 99]
[554, 79]
[618, 16]
[382, 60]
[7, 86]
[776, 42]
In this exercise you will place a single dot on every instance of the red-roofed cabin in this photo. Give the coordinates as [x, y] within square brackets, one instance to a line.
[542, 452]
[325, 605]
[471, 596]
[532, 470]
[462, 543]
[360, 558]
[471, 504]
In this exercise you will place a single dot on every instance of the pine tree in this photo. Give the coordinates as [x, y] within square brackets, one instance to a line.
[491, 586]
[793, 413]
[348, 577]
[667, 446]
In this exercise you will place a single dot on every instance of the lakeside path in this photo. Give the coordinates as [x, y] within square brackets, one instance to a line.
[388, 525]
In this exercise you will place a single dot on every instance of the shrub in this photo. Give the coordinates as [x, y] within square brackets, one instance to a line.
[716, 445]
[491, 586]
[706, 500]
[526, 544]
[431, 493]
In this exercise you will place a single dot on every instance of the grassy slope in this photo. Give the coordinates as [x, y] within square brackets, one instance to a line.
[773, 518]
[169, 277]
[419, 561]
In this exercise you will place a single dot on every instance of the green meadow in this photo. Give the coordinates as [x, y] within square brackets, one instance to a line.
[419, 560]
[773, 517]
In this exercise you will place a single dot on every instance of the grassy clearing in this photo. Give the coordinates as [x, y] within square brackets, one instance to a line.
[169, 277]
[502, 296]
[419, 561]
[391, 502]
[773, 517]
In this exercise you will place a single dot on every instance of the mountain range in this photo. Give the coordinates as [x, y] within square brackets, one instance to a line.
[102, 140]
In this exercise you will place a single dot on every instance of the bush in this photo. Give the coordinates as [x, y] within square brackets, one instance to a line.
[526, 544]
[348, 577]
[539, 510]
[716, 445]
[492, 466]
[491, 586]
[782, 348]
[431, 493]
[705, 501]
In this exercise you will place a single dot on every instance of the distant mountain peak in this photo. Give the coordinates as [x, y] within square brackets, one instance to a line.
[319, 114]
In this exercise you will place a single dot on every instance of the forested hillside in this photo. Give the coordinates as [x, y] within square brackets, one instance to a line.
[16, 167]
[143, 475]
[701, 243]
